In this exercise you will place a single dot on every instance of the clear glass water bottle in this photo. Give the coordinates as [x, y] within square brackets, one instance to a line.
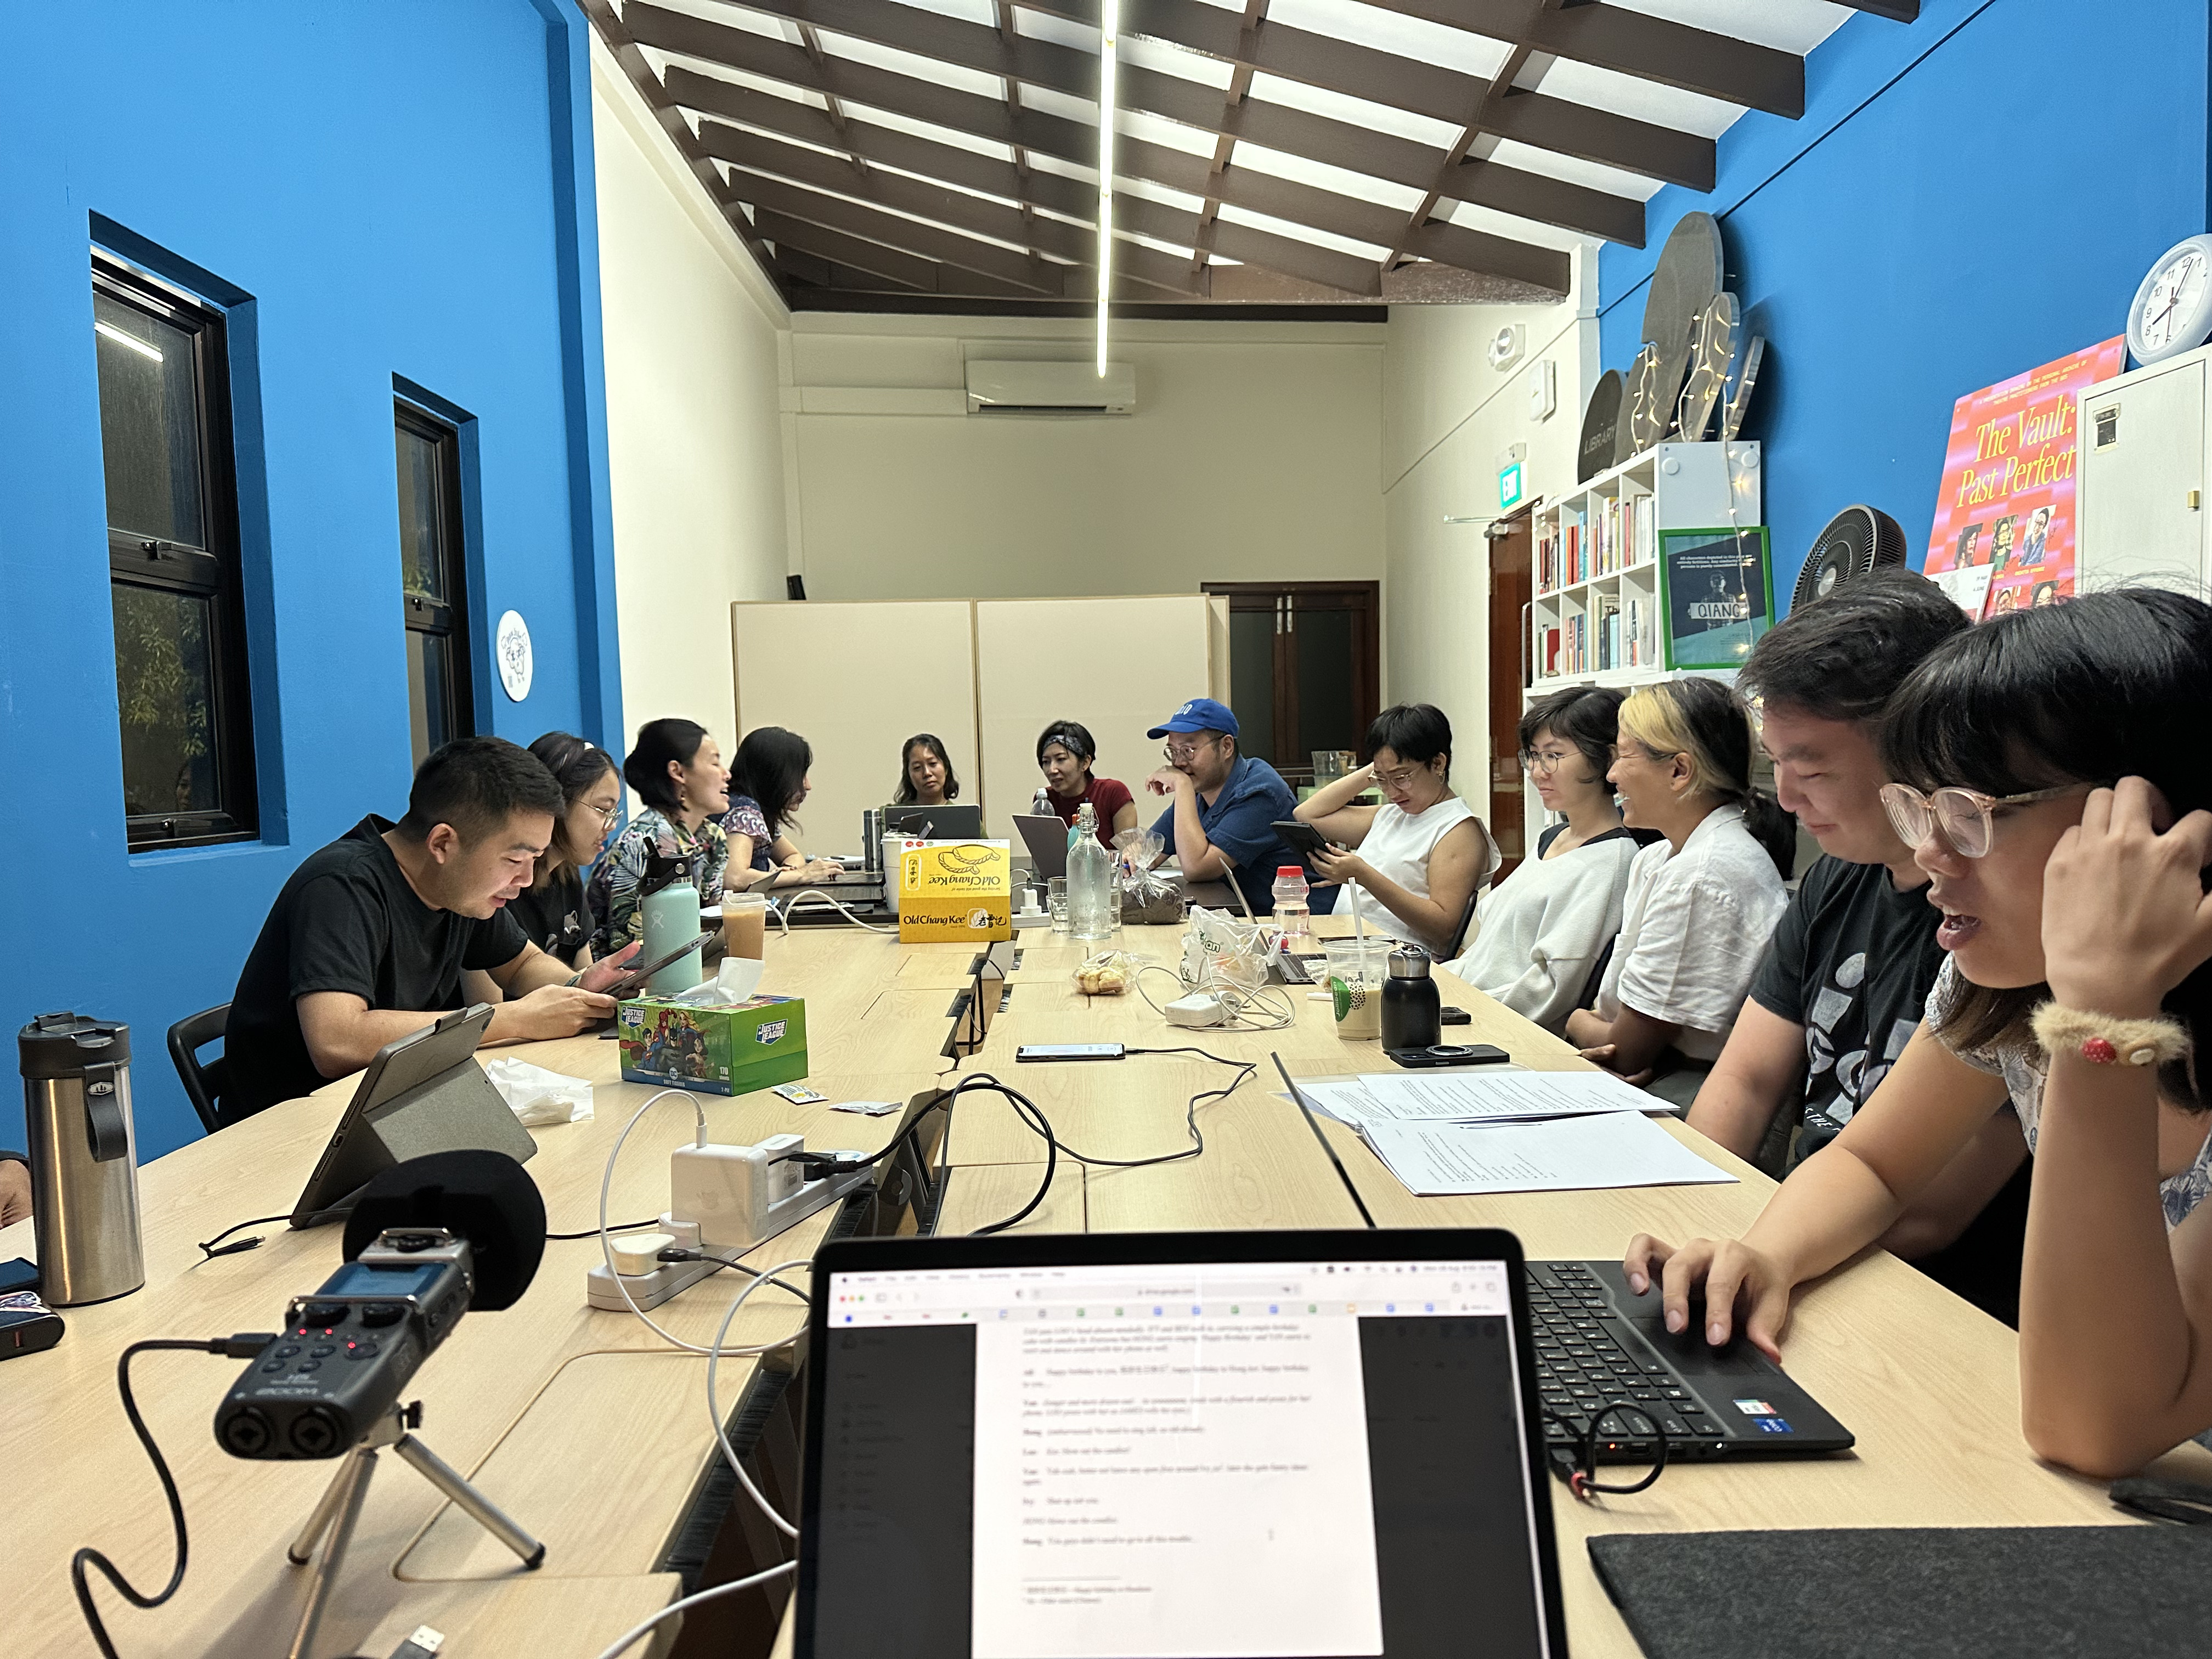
[1090, 881]
[1294, 902]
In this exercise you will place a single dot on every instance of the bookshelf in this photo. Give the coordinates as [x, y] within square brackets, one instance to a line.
[1596, 616]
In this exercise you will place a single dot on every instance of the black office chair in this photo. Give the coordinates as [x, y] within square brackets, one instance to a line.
[204, 1083]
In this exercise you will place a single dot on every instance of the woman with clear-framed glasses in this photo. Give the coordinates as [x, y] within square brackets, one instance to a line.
[1415, 860]
[2076, 988]
[555, 909]
[1542, 933]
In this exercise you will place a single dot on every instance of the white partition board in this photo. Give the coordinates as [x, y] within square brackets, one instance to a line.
[856, 681]
[1116, 666]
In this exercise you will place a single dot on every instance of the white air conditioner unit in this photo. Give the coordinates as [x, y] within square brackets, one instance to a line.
[1052, 389]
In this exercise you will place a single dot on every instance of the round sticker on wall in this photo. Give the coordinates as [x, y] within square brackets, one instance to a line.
[511, 646]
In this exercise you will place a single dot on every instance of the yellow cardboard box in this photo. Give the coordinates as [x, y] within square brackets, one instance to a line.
[956, 890]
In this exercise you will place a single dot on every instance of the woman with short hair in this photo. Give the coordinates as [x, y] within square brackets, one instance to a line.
[1065, 753]
[1416, 859]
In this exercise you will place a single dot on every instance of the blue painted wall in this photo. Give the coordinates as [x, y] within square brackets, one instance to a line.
[402, 189]
[1966, 197]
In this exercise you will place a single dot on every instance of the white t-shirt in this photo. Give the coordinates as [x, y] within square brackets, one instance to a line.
[1398, 845]
[1538, 932]
[1693, 927]
[2025, 1068]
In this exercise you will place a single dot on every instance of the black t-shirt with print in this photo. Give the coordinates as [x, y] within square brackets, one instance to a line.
[346, 921]
[1851, 961]
[556, 918]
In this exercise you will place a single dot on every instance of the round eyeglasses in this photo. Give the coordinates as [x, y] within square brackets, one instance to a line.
[1962, 816]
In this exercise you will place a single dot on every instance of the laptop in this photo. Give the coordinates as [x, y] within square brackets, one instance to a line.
[1147, 1446]
[1599, 1345]
[1046, 837]
[422, 1093]
[949, 822]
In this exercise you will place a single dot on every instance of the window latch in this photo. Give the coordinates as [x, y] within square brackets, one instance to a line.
[158, 549]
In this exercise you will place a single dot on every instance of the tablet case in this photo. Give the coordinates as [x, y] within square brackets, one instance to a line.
[1912, 1593]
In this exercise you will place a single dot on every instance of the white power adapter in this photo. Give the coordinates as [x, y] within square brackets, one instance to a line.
[1199, 1008]
[727, 1190]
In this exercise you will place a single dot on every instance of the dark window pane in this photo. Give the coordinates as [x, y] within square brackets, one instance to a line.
[1328, 707]
[429, 695]
[422, 566]
[150, 431]
[165, 680]
[1252, 681]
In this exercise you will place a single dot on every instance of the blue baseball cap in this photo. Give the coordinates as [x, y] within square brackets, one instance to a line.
[1199, 715]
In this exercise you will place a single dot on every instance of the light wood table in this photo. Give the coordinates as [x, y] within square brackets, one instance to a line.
[595, 1435]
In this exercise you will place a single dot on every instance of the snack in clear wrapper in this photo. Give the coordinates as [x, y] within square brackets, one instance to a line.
[1109, 974]
[1147, 897]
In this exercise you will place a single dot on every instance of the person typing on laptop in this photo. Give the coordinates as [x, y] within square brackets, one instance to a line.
[1223, 805]
[1842, 985]
[367, 939]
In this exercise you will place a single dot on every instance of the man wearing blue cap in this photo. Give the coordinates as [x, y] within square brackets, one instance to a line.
[1222, 823]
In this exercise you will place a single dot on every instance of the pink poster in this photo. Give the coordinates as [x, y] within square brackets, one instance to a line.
[2006, 502]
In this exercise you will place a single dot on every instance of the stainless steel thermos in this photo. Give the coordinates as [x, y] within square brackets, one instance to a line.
[1412, 1013]
[84, 1162]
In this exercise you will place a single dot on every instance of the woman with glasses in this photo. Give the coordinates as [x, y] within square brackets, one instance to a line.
[553, 910]
[1414, 861]
[2076, 986]
[1542, 933]
[1701, 903]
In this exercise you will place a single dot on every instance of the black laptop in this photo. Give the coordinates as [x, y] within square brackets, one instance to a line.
[1166, 1444]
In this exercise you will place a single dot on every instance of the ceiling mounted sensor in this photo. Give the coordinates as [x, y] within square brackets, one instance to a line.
[1506, 346]
[1857, 541]
[1057, 390]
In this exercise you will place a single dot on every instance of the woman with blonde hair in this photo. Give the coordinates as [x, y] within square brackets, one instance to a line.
[1701, 903]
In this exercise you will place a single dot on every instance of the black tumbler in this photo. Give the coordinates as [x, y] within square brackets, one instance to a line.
[1413, 1013]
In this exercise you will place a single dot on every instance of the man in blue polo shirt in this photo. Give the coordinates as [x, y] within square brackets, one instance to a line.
[1221, 825]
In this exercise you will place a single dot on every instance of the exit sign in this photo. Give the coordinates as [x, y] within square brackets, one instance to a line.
[1509, 486]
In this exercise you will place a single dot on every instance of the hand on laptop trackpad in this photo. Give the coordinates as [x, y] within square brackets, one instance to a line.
[1688, 1351]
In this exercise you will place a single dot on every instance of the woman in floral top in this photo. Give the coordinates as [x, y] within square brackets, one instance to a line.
[676, 769]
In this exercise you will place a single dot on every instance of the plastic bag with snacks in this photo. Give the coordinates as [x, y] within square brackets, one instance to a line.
[1224, 949]
[1109, 974]
[1147, 897]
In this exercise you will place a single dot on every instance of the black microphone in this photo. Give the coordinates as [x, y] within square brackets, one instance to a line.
[427, 1240]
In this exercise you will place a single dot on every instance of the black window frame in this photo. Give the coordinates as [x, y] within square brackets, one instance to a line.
[213, 573]
[453, 619]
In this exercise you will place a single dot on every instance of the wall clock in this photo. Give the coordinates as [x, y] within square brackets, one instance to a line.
[2172, 309]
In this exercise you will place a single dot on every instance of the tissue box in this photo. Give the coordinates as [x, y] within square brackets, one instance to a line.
[728, 1050]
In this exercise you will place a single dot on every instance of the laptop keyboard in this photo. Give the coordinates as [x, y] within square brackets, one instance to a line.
[1581, 1369]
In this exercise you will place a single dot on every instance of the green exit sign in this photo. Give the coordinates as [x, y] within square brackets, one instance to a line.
[1509, 486]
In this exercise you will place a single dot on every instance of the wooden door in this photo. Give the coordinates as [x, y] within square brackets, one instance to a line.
[1304, 668]
[1509, 600]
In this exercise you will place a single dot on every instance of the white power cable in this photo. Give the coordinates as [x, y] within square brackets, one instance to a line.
[628, 1638]
[1247, 1010]
[783, 914]
[714, 1407]
[606, 1244]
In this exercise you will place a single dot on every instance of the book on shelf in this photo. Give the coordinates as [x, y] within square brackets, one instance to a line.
[1551, 652]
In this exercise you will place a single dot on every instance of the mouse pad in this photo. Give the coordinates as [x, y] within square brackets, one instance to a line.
[1913, 1593]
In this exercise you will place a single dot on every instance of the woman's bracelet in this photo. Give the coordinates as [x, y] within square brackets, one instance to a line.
[2102, 1040]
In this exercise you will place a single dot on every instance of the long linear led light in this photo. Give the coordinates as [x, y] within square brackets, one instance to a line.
[1110, 29]
[154, 351]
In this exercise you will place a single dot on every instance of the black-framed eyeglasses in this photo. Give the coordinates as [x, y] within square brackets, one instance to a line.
[1962, 816]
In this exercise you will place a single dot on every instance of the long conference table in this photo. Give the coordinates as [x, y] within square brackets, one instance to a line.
[593, 1433]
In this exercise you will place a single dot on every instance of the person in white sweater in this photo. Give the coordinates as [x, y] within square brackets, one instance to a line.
[1540, 933]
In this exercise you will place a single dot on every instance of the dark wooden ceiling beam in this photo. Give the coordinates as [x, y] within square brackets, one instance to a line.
[1898, 11]
[1358, 149]
[858, 251]
[1381, 77]
[894, 230]
[1634, 43]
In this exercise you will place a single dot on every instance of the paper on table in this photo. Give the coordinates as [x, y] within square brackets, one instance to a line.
[1490, 1096]
[1566, 1154]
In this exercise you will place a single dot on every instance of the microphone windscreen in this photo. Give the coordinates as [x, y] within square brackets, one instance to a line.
[485, 1197]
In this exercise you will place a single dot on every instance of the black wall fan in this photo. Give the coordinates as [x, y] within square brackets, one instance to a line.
[1857, 540]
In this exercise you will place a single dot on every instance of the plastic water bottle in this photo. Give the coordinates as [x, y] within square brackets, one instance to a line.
[1040, 805]
[1090, 881]
[1294, 902]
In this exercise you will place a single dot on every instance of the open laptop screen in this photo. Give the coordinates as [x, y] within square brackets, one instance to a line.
[1162, 1461]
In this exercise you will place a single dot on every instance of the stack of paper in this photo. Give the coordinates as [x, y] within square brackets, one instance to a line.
[1564, 1154]
[1474, 1098]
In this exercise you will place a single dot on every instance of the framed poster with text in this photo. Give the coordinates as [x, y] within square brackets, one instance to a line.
[2007, 499]
[1716, 593]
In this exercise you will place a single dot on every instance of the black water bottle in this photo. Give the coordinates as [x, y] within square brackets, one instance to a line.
[1413, 1013]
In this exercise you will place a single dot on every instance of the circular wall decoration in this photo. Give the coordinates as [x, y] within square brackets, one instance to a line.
[2172, 308]
[511, 649]
[1599, 420]
[1687, 281]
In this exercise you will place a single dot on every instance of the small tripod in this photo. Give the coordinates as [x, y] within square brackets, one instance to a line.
[332, 1523]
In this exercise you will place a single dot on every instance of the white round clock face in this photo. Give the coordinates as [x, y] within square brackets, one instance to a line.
[2172, 309]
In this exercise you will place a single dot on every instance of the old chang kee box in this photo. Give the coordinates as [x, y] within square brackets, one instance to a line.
[729, 1050]
[955, 890]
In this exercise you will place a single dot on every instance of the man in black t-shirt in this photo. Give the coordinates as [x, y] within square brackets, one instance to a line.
[366, 940]
[1847, 973]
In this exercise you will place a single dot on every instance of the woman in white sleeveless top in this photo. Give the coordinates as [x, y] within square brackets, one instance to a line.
[1415, 860]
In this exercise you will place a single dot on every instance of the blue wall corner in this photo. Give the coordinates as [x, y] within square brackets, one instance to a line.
[425, 214]
[1966, 197]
